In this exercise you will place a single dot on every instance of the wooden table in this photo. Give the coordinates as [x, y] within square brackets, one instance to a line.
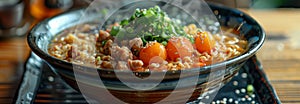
[280, 54]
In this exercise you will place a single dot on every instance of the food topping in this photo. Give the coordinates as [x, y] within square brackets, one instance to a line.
[147, 41]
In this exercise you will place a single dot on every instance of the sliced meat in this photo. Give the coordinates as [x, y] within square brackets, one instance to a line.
[121, 53]
[136, 65]
[103, 35]
[135, 45]
[106, 65]
[107, 47]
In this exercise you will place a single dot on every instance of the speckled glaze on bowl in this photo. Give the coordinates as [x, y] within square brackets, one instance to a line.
[42, 34]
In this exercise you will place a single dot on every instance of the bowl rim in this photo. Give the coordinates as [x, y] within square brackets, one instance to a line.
[249, 53]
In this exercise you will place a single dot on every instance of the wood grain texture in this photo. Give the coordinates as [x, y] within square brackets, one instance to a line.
[280, 55]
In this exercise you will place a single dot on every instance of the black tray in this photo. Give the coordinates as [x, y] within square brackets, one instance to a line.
[41, 85]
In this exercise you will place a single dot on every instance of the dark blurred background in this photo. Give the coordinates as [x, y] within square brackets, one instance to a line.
[259, 4]
[18, 16]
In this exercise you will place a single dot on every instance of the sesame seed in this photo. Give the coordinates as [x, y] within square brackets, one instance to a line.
[213, 102]
[50, 79]
[249, 99]
[243, 99]
[243, 90]
[252, 102]
[230, 100]
[236, 102]
[253, 96]
[244, 75]
[246, 96]
[237, 91]
[223, 102]
[225, 99]
[218, 102]
[235, 83]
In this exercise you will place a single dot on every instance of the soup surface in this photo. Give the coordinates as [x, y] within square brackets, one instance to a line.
[147, 41]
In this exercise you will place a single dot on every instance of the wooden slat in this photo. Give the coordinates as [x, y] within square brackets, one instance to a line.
[13, 53]
[280, 56]
[14, 50]
[288, 91]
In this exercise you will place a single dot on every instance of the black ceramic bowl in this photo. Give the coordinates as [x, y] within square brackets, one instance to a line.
[187, 85]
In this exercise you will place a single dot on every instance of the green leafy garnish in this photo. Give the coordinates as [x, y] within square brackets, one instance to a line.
[250, 89]
[150, 25]
[98, 58]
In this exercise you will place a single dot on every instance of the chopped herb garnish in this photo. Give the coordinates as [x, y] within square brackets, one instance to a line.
[103, 42]
[114, 31]
[151, 25]
[98, 58]
[250, 89]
